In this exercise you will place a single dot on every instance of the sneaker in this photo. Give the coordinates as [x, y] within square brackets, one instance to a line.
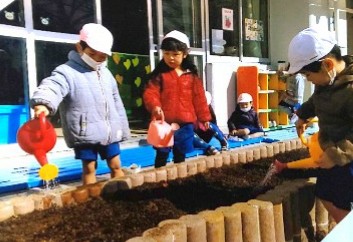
[246, 137]
[212, 151]
[224, 145]
[235, 138]
[132, 169]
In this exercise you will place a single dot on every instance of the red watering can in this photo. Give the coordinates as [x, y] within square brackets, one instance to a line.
[161, 134]
[37, 137]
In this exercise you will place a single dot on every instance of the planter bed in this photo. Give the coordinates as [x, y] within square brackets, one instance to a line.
[127, 212]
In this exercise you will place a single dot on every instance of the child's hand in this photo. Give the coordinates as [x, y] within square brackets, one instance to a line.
[157, 113]
[207, 125]
[233, 132]
[325, 161]
[300, 126]
[40, 109]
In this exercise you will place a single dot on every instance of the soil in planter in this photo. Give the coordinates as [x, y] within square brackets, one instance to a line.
[128, 213]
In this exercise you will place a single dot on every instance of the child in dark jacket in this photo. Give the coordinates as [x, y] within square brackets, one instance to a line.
[314, 53]
[244, 122]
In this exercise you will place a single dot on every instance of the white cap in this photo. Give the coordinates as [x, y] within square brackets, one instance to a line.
[208, 97]
[308, 46]
[244, 98]
[175, 34]
[97, 37]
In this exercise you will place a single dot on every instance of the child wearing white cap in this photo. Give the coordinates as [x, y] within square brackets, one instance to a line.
[175, 92]
[314, 53]
[92, 114]
[244, 121]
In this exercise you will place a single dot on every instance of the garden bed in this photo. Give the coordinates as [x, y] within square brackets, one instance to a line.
[128, 213]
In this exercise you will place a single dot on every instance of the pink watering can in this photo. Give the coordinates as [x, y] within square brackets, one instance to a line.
[37, 137]
[161, 134]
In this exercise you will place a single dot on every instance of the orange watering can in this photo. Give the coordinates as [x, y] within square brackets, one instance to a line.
[37, 137]
[314, 150]
[161, 134]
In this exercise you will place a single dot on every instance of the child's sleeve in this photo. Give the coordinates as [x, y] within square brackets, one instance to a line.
[151, 95]
[51, 92]
[257, 121]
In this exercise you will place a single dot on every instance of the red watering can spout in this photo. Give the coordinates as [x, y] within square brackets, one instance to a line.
[41, 157]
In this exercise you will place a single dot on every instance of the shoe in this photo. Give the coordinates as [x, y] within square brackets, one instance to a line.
[224, 145]
[212, 151]
[235, 138]
[246, 137]
[132, 169]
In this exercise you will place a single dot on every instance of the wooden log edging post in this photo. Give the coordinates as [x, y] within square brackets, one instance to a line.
[196, 228]
[277, 214]
[232, 224]
[159, 234]
[287, 213]
[250, 221]
[214, 225]
[266, 220]
[294, 206]
[177, 227]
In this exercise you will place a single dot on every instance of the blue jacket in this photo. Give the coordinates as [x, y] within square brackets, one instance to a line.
[91, 109]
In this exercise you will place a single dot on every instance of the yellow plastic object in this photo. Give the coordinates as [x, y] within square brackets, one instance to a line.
[48, 172]
[314, 150]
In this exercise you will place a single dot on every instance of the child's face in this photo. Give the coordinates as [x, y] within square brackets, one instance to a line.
[173, 58]
[320, 78]
[245, 105]
[95, 55]
[323, 76]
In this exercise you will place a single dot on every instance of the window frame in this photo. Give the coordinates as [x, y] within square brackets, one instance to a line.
[241, 58]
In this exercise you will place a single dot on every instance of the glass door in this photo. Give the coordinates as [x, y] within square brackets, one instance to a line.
[185, 16]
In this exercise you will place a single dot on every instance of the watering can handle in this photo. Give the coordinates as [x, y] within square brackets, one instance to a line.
[42, 124]
[302, 138]
[162, 117]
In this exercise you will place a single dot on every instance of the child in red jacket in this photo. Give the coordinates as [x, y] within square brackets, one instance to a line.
[175, 91]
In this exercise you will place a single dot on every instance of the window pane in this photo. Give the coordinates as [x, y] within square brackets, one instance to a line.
[13, 71]
[49, 55]
[65, 16]
[255, 31]
[197, 59]
[127, 20]
[185, 16]
[12, 14]
[224, 27]
[349, 4]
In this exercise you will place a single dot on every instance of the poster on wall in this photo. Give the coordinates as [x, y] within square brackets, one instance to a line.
[227, 19]
[254, 29]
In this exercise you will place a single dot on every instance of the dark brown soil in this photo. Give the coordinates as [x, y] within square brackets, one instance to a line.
[129, 213]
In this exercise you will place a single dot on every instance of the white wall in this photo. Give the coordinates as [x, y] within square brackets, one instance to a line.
[287, 18]
[221, 82]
